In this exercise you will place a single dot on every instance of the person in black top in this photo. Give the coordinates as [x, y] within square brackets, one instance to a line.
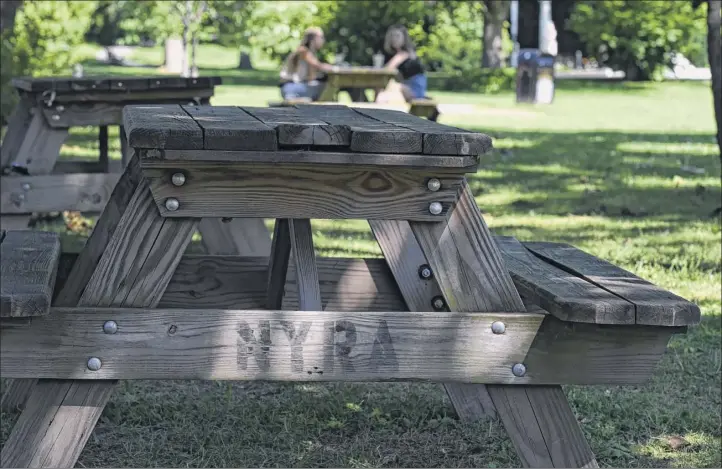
[399, 46]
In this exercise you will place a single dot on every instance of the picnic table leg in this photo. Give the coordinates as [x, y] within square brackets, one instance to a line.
[103, 146]
[247, 237]
[468, 269]
[124, 157]
[60, 414]
[18, 125]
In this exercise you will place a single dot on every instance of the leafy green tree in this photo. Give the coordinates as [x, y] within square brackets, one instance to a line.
[638, 36]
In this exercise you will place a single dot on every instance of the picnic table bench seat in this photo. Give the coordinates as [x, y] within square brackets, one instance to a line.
[29, 264]
[576, 286]
[425, 107]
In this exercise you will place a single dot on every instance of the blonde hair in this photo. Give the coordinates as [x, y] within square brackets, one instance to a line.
[291, 64]
[406, 46]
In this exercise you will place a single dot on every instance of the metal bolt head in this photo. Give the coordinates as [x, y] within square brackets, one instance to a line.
[110, 327]
[178, 179]
[438, 303]
[171, 204]
[21, 196]
[60, 108]
[435, 208]
[120, 83]
[519, 370]
[157, 82]
[94, 364]
[56, 117]
[433, 184]
[498, 327]
[26, 186]
[425, 272]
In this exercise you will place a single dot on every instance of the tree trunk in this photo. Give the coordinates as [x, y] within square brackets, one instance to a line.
[714, 56]
[8, 8]
[495, 13]
[244, 61]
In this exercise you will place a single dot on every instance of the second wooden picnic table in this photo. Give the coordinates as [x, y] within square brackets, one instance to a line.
[356, 80]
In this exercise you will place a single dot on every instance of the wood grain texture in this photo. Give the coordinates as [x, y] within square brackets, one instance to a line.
[309, 191]
[652, 304]
[231, 128]
[562, 352]
[143, 251]
[242, 236]
[294, 128]
[367, 135]
[278, 264]
[472, 277]
[103, 231]
[564, 295]
[16, 393]
[270, 345]
[167, 158]
[438, 139]
[82, 166]
[55, 193]
[161, 126]
[404, 258]
[301, 239]
[28, 269]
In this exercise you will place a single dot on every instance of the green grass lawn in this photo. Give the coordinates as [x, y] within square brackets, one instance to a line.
[603, 169]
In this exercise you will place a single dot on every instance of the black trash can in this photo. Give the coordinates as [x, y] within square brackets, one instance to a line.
[534, 77]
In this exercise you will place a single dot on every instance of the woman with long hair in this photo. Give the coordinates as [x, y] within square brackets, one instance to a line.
[401, 48]
[300, 72]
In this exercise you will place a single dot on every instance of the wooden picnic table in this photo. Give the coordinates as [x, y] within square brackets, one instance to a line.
[501, 323]
[355, 80]
[39, 126]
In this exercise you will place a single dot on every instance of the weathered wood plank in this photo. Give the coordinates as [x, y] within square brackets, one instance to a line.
[652, 304]
[18, 126]
[40, 147]
[16, 392]
[405, 259]
[564, 295]
[301, 239]
[270, 345]
[438, 139]
[367, 135]
[562, 352]
[294, 128]
[166, 158]
[28, 269]
[231, 128]
[55, 193]
[161, 126]
[473, 277]
[308, 191]
[83, 114]
[117, 83]
[162, 96]
[242, 236]
[84, 166]
[278, 264]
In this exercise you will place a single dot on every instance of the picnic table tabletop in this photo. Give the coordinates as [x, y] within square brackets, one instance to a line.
[111, 83]
[329, 128]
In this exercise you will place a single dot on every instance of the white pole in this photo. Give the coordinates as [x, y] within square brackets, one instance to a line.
[514, 17]
[545, 17]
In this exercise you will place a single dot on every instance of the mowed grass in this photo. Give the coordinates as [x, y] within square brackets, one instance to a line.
[612, 169]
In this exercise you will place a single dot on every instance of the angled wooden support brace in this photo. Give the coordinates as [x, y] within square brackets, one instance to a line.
[468, 269]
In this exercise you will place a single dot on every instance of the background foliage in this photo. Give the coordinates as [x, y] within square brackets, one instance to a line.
[639, 36]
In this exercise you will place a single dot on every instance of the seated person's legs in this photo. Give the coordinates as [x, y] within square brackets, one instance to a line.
[414, 87]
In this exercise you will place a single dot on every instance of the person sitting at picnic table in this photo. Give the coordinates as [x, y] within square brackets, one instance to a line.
[300, 77]
[399, 46]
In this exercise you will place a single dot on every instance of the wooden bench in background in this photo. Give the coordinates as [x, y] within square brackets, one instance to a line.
[427, 108]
